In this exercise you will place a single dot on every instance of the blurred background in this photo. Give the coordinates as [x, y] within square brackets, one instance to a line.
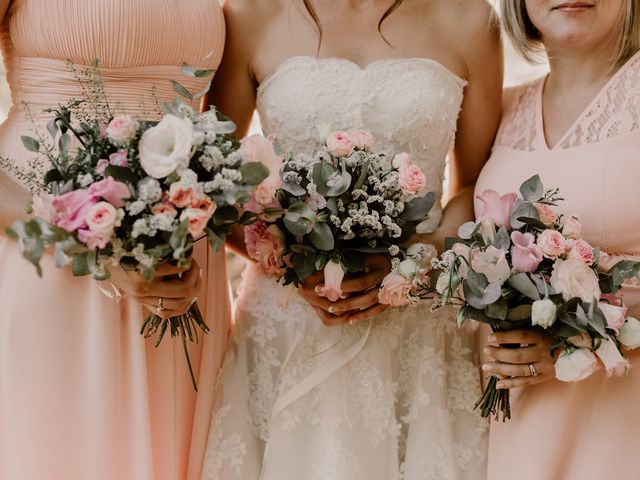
[517, 71]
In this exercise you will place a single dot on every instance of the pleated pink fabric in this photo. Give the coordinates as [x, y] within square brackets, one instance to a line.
[82, 395]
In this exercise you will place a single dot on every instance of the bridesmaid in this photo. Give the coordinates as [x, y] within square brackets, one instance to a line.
[82, 394]
[579, 129]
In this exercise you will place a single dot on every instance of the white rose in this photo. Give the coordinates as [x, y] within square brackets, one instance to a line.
[487, 230]
[408, 268]
[576, 366]
[543, 313]
[166, 146]
[573, 278]
[493, 264]
[630, 334]
[612, 359]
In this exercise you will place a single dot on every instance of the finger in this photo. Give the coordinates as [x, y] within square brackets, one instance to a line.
[515, 355]
[508, 383]
[170, 288]
[364, 282]
[164, 314]
[316, 300]
[166, 269]
[356, 303]
[509, 369]
[520, 337]
[368, 313]
[331, 320]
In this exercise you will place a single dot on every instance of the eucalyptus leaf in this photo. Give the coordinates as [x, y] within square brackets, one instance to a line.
[489, 295]
[466, 230]
[52, 128]
[340, 186]
[64, 142]
[30, 143]
[418, 208]
[190, 71]
[180, 90]
[321, 237]
[80, 265]
[364, 173]
[521, 312]
[498, 309]
[523, 284]
[293, 189]
[226, 215]
[304, 264]
[253, 173]
[477, 282]
[532, 189]
[522, 209]
[502, 239]
[322, 172]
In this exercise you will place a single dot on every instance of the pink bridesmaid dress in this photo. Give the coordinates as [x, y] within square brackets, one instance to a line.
[82, 394]
[587, 430]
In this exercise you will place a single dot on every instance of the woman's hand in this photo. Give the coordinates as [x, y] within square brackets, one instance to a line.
[361, 292]
[514, 363]
[171, 292]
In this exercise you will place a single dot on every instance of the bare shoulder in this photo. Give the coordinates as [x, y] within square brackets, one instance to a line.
[248, 17]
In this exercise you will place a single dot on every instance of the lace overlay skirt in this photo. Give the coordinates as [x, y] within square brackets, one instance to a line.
[388, 398]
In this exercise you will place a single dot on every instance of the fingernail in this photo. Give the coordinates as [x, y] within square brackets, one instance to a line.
[487, 368]
[492, 338]
[486, 350]
[331, 309]
[318, 288]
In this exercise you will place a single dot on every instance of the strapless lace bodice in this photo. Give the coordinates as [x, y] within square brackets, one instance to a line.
[408, 104]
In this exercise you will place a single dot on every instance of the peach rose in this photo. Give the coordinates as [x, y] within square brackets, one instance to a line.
[363, 140]
[552, 243]
[205, 204]
[339, 144]
[394, 290]
[164, 209]
[265, 244]
[198, 220]
[180, 195]
[581, 250]
[122, 129]
[546, 214]
[256, 148]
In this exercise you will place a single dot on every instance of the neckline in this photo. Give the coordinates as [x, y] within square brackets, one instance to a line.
[540, 114]
[371, 65]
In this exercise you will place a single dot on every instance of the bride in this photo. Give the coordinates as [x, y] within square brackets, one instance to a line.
[390, 396]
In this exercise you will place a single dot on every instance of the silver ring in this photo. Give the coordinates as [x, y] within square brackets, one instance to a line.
[532, 369]
[160, 306]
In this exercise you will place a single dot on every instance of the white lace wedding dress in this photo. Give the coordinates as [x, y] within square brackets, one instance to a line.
[388, 398]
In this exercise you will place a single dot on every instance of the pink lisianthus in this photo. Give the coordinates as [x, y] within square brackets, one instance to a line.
[613, 361]
[164, 209]
[256, 148]
[546, 214]
[394, 290]
[180, 195]
[525, 254]
[94, 240]
[412, 180]
[363, 140]
[552, 243]
[333, 275]
[339, 144]
[102, 165]
[265, 244]
[198, 220]
[205, 204]
[497, 208]
[615, 315]
[72, 209]
[110, 190]
[119, 159]
[581, 250]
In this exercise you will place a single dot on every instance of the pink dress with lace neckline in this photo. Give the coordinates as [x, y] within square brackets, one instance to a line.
[586, 430]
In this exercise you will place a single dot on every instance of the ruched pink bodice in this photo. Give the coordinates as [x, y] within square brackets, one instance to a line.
[82, 395]
[586, 430]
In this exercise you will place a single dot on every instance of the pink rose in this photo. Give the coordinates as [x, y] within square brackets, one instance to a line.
[572, 228]
[180, 195]
[265, 193]
[552, 243]
[546, 214]
[394, 290]
[339, 144]
[412, 180]
[400, 159]
[363, 140]
[333, 275]
[102, 218]
[615, 315]
[198, 220]
[265, 244]
[256, 148]
[93, 239]
[164, 209]
[110, 190]
[102, 165]
[119, 158]
[497, 208]
[525, 254]
[205, 204]
[492, 263]
[72, 209]
[582, 251]
[612, 359]
[122, 129]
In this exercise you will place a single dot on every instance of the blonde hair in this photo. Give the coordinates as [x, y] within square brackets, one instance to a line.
[527, 40]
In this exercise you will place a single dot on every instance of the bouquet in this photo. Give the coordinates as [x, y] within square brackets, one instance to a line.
[523, 265]
[126, 192]
[325, 211]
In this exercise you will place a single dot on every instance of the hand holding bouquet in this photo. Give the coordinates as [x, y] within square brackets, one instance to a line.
[131, 193]
[326, 211]
[523, 265]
